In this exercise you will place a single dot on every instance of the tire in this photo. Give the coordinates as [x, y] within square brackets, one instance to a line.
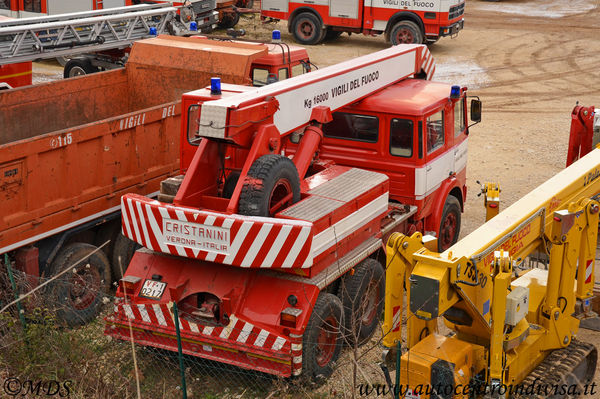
[229, 20]
[362, 295]
[230, 183]
[78, 67]
[307, 29]
[78, 295]
[322, 340]
[271, 185]
[123, 251]
[332, 34]
[108, 232]
[406, 32]
[450, 224]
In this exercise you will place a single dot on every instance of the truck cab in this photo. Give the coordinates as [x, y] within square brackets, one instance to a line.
[416, 133]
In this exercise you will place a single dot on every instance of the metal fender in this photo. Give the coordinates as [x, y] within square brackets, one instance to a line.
[432, 223]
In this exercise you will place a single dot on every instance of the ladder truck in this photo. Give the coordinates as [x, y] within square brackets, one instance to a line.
[94, 40]
[513, 293]
[272, 237]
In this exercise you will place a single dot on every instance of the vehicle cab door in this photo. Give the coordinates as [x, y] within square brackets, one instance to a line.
[437, 142]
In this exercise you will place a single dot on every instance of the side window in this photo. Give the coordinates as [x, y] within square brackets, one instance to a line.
[193, 124]
[4, 4]
[459, 118]
[283, 73]
[401, 138]
[32, 5]
[435, 131]
[353, 127]
[298, 69]
[259, 76]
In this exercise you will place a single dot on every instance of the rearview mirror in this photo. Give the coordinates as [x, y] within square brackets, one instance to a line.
[476, 110]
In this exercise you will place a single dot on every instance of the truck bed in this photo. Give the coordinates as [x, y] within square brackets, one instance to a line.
[69, 149]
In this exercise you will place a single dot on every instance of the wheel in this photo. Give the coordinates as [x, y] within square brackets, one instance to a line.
[78, 67]
[107, 232]
[79, 293]
[123, 251]
[450, 224]
[406, 32]
[230, 183]
[307, 29]
[271, 185]
[332, 34]
[229, 20]
[362, 295]
[322, 340]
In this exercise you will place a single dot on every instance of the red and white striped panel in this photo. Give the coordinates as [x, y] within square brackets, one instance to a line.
[427, 62]
[237, 331]
[589, 268]
[244, 241]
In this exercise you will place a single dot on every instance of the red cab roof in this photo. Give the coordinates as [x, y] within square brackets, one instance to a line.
[413, 97]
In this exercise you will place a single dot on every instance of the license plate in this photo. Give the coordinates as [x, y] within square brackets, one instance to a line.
[153, 289]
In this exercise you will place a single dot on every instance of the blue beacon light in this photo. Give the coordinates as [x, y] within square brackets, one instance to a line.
[455, 92]
[215, 86]
[276, 36]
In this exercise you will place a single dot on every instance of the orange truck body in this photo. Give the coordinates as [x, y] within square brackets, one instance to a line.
[69, 149]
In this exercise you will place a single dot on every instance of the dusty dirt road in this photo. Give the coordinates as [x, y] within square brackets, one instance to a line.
[529, 61]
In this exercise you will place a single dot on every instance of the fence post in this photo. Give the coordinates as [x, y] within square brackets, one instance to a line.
[14, 287]
[179, 350]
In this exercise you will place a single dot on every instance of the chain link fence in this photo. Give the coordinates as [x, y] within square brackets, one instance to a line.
[45, 348]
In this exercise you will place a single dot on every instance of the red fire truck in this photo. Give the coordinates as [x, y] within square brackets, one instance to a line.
[401, 21]
[271, 245]
[14, 75]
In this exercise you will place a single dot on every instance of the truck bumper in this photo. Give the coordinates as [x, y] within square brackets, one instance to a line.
[452, 29]
[245, 331]
[275, 357]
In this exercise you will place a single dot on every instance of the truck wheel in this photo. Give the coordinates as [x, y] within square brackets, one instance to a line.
[406, 32]
[230, 183]
[322, 340]
[79, 293]
[362, 295]
[229, 20]
[450, 224]
[307, 29]
[123, 251]
[78, 67]
[272, 184]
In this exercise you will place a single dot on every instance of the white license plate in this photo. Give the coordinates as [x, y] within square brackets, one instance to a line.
[153, 289]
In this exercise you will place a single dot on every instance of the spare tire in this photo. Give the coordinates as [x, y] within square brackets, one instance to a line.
[271, 185]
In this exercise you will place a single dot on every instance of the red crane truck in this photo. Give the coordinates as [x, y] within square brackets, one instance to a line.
[69, 149]
[400, 21]
[276, 227]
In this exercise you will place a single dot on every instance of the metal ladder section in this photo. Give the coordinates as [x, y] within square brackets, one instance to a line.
[30, 39]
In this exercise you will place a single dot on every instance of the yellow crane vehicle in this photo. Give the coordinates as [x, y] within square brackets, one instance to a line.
[512, 294]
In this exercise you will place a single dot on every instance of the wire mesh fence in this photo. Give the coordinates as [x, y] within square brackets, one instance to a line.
[50, 343]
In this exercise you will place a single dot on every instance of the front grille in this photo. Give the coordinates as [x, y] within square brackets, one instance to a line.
[456, 11]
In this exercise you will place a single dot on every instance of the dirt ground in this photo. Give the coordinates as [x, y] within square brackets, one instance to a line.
[529, 61]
